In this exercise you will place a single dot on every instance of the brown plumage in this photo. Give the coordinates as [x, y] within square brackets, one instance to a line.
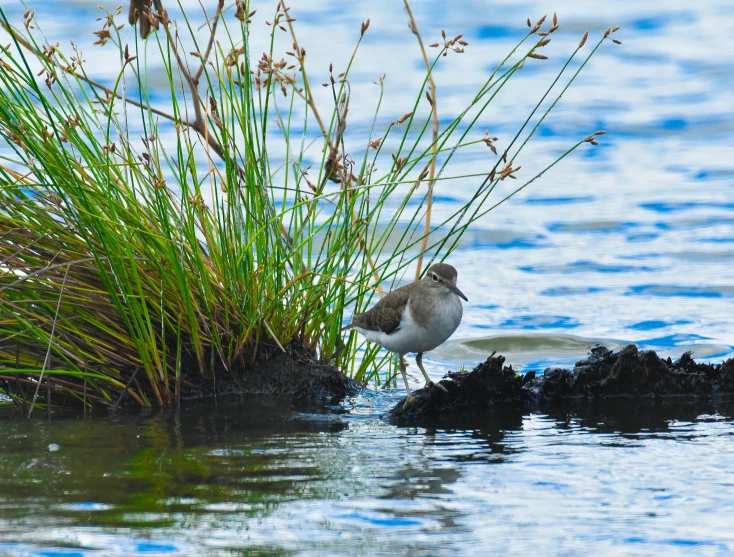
[416, 317]
[385, 315]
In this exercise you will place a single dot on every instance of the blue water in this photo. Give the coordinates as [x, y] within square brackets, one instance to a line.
[630, 241]
[237, 478]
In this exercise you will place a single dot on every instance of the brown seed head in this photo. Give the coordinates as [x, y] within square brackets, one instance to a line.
[404, 117]
[583, 39]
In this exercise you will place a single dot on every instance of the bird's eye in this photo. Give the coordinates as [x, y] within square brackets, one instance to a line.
[434, 277]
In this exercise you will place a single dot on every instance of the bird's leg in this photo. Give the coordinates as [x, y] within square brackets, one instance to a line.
[419, 361]
[401, 366]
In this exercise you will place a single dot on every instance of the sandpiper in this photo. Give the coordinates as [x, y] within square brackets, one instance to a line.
[416, 317]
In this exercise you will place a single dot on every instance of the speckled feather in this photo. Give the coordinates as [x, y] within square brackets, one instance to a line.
[386, 314]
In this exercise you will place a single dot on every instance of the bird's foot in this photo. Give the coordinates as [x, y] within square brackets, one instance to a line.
[438, 385]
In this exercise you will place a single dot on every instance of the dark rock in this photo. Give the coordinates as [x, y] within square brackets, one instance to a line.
[726, 376]
[488, 385]
[603, 374]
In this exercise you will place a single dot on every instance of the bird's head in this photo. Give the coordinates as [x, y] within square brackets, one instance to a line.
[443, 276]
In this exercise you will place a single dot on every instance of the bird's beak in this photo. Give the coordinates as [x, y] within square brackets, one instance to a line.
[456, 291]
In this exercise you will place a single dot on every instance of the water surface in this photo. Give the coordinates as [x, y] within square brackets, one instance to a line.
[631, 241]
[233, 478]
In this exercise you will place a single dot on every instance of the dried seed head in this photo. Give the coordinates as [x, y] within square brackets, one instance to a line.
[615, 29]
[404, 117]
[607, 32]
[543, 42]
[600, 132]
[555, 19]
[434, 45]
[537, 56]
[529, 24]
[376, 143]
[430, 100]
[365, 26]
[616, 41]
[583, 39]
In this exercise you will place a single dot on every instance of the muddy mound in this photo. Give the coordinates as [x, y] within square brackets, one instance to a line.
[604, 374]
[292, 375]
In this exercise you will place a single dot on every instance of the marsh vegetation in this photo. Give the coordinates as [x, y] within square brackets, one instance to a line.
[153, 244]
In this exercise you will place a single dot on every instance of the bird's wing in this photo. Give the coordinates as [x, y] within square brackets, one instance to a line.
[386, 314]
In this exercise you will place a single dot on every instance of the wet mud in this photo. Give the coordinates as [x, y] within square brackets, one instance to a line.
[603, 375]
[292, 375]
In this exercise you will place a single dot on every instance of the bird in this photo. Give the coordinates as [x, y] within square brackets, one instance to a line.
[416, 317]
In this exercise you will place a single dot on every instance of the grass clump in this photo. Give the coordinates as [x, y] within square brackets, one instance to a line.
[148, 246]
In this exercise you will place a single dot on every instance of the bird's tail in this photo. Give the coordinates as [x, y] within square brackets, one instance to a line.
[346, 327]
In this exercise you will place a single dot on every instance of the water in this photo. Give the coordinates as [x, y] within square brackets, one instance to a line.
[631, 241]
[233, 478]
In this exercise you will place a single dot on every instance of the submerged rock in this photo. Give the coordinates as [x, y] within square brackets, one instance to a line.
[603, 374]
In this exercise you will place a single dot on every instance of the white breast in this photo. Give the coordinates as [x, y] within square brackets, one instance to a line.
[411, 337]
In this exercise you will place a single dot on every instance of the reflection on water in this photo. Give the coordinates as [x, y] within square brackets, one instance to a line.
[231, 476]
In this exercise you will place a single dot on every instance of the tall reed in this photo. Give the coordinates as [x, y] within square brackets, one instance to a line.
[145, 266]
